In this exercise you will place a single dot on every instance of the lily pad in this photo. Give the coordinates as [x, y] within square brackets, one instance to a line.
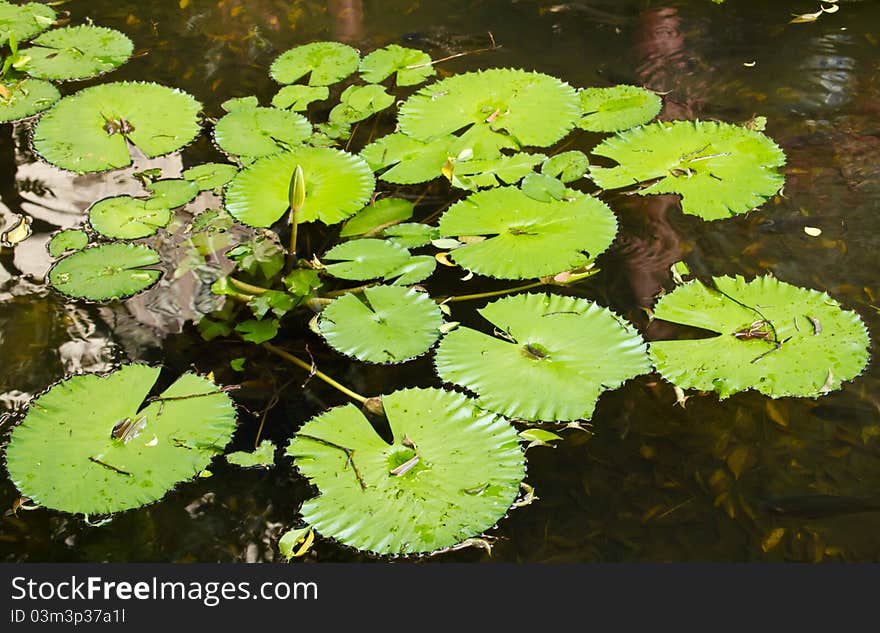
[360, 102]
[77, 52]
[473, 174]
[550, 360]
[127, 218]
[254, 132]
[86, 446]
[105, 272]
[411, 65]
[210, 175]
[410, 234]
[416, 269]
[337, 184]
[525, 237]
[391, 324]
[773, 337]
[566, 166]
[299, 97]
[382, 213]
[364, 259]
[719, 169]
[67, 240]
[617, 108]
[171, 193]
[407, 160]
[451, 472]
[25, 20]
[90, 130]
[24, 98]
[324, 62]
[264, 455]
[534, 108]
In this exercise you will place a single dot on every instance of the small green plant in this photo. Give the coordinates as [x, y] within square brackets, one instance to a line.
[454, 465]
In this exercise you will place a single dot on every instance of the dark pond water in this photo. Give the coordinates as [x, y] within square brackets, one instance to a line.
[740, 480]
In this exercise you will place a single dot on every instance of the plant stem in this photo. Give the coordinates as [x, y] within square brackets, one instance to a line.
[246, 287]
[544, 281]
[345, 291]
[312, 370]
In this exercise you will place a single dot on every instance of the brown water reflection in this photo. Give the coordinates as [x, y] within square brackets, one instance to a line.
[741, 480]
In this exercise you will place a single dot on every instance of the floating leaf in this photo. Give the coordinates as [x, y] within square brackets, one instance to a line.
[77, 52]
[410, 234]
[414, 270]
[617, 108]
[171, 193]
[67, 240]
[377, 216]
[108, 271]
[411, 65]
[298, 97]
[473, 174]
[525, 237]
[337, 185]
[719, 169]
[410, 160]
[773, 337]
[127, 218]
[543, 188]
[254, 132]
[364, 259]
[24, 98]
[240, 103]
[86, 446]
[451, 472]
[290, 539]
[551, 359]
[258, 332]
[359, 102]
[324, 62]
[90, 130]
[264, 455]
[390, 324]
[24, 20]
[516, 101]
[210, 175]
[566, 166]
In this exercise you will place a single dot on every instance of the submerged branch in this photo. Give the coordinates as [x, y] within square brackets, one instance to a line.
[349, 454]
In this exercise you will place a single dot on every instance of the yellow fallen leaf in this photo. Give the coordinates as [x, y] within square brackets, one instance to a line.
[20, 232]
[443, 258]
[812, 231]
[806, 17]
[750, 64]
[772, 539]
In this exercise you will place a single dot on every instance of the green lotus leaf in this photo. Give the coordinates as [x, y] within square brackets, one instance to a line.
[86, 446]
[417, 268]
[411, 234]
[299, 97]
[382, 213]
[324, 62]
[543, 188]
[67, 240]
[264, 455]
[240, 103]
[337, 185]
[210, 175]
[411, 65]
[171, 193]
[719, 169]
[258, 332]
[105, 272]
[773, 337]
[410, 160]
[525, 237]
[255, 132]
[25, 20]
[478, 173]
[90, 130]
[127, 218]
[390, 324]
[77, 52]
[364, 259]
[617, 108]
[458, 472]
[25, 98]
[360, 102]
[533, 108]
[551, 358]
[567, 166]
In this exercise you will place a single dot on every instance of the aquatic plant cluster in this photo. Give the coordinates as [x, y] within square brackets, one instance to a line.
[97, 445]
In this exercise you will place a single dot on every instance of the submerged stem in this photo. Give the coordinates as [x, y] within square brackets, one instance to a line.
[314, 371]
